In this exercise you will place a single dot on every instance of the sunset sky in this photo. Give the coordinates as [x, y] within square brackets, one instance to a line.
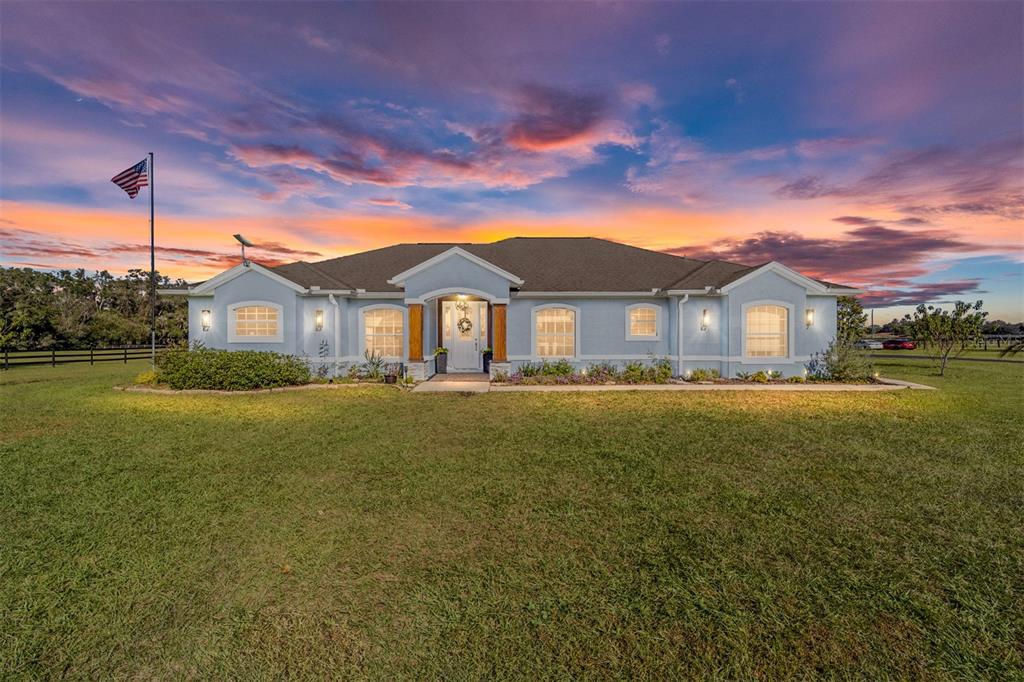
[877, 145]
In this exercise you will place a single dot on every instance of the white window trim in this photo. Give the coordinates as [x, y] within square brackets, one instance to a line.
[576, 331]
[235, 338]
[405, 330]
[790, 331]
[657, 322]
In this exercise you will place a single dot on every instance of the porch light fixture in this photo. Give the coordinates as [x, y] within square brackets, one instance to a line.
[705, 320]
[318, 320]
[205, 317]
[809, 317]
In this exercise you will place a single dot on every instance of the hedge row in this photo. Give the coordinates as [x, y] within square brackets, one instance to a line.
[237, 370]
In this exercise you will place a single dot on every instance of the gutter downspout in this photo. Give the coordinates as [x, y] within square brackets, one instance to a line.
[337, 331]
[679, 333]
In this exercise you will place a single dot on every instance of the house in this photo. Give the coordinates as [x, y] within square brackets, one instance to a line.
[530, 299]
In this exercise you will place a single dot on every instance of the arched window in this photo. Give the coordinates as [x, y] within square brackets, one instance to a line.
[555, 332]
[767, 331]
[642, 322]
[383, 331]
[255, 322]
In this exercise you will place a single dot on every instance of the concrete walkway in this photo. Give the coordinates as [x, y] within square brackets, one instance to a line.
[475, 382]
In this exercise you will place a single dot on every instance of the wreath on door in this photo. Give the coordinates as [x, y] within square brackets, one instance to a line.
[464, 324]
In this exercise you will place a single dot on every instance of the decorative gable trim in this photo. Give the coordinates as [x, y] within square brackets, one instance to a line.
[400, 278]
[783, 271]
[223, 278]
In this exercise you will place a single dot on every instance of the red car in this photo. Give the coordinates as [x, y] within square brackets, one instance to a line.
[899, 344]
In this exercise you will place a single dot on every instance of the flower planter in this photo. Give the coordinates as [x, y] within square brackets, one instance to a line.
[390, 379]
[441, 363]
[487, 362]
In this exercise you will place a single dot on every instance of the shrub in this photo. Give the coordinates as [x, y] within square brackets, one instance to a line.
[528, 369]
[705, 375]
[374, 366]
[559, 368]
[633, 373]
[796, 380]
[602, 372]
[840, 362]
[638, 373]
[148, 378]
[239, 370]
[500, 376]
[662, 371]
[817, 368]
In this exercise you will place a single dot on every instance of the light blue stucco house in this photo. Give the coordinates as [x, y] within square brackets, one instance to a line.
[530, 299]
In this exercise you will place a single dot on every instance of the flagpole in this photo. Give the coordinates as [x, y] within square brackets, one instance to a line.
[152, 271]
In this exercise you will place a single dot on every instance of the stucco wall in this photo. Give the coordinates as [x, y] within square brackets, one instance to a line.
[601, 326]
[352, 330]
[249, 286]
[457, 273]
[601, 322]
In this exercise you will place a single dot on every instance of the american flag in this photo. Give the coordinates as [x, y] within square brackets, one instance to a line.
[132, 179]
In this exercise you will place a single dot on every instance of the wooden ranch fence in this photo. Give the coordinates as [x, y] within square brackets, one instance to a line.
[54, 357]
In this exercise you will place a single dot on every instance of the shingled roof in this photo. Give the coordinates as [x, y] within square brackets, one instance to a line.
[544, 263]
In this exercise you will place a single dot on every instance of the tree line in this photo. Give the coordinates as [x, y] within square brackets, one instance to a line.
[901, 327]
[73, 309]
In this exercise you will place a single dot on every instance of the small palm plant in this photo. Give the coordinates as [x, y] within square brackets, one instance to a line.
[373, 367]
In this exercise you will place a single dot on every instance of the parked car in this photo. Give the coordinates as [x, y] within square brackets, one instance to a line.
[898, 344]
[868, 344]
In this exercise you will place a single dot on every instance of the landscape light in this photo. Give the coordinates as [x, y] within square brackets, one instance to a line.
[705, 320]
[205, 318]
[810, 317]
[318, 320]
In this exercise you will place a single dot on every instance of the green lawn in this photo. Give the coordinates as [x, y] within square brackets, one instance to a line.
[373, 533]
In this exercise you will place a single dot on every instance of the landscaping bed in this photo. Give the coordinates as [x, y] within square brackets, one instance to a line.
[205, 369]
[562, 373]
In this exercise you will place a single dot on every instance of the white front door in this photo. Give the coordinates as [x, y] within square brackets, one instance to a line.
[465, 332]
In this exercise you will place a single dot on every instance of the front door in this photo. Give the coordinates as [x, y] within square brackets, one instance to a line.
[465, 332]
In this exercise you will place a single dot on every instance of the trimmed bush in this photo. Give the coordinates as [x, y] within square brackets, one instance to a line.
[147, 378]
[702, 374]
[559, 368]
[236, 370]
[562, 372]
[840, 362]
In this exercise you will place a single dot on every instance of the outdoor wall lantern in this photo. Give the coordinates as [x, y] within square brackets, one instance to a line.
[809, 317]
[705, 320]
[318, 320]
[205, 319]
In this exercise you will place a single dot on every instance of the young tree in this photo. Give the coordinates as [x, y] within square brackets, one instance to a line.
[850, 320]
[946, 333]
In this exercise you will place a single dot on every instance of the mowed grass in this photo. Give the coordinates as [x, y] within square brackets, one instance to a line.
[372, 533]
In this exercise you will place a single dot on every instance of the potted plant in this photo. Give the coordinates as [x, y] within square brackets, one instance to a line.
[488, 354]
[391, 373]
[441, 360]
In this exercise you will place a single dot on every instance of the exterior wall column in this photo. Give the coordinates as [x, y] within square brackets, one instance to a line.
[415, 332]
[499, 343]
